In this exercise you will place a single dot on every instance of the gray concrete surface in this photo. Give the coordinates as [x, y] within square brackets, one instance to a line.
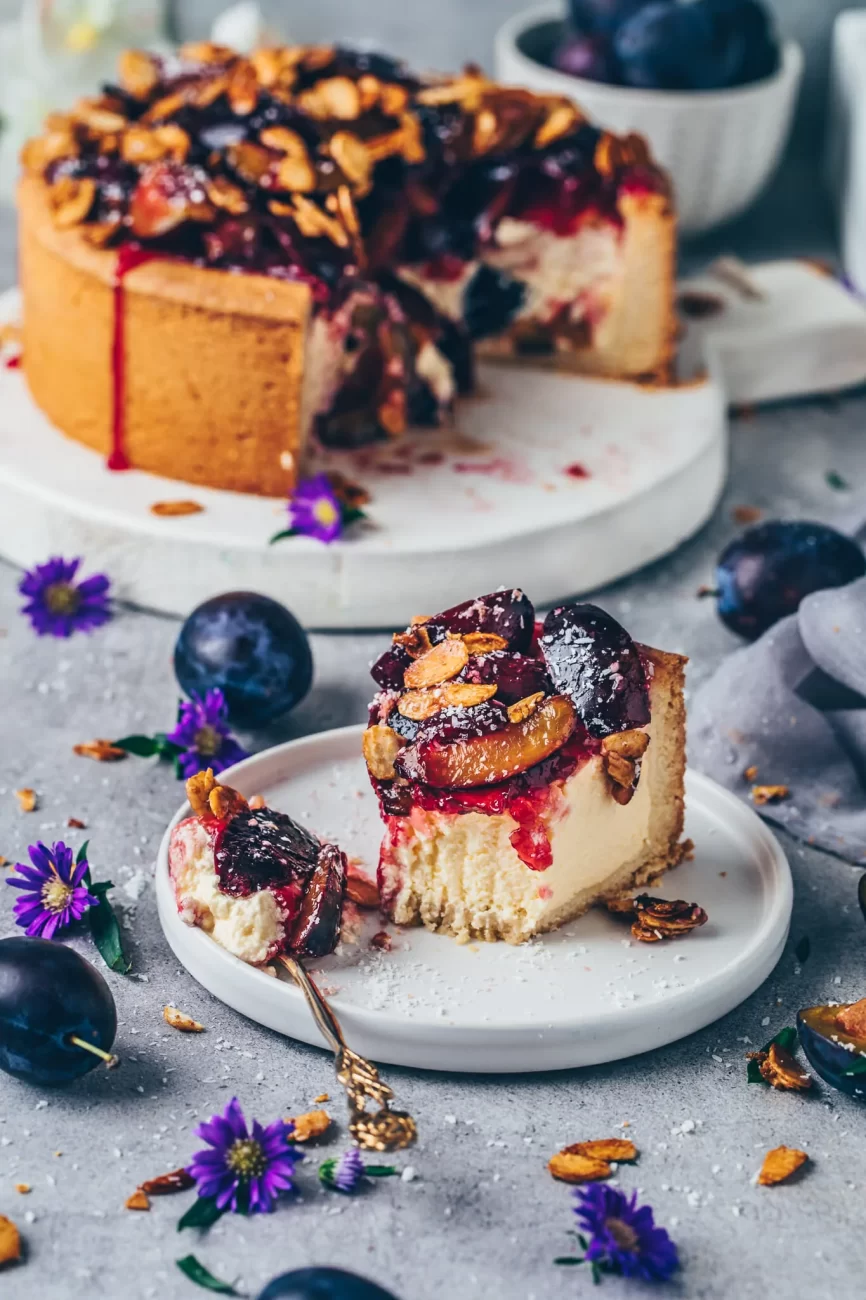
[483, 1217]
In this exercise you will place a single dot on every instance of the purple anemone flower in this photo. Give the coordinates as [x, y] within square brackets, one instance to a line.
[622, 1235]
[203, 735]
[244, 1171]
[315, 511]
[57, 605]
[53, 895]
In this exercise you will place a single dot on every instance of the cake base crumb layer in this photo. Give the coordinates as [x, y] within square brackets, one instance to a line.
[460, 873]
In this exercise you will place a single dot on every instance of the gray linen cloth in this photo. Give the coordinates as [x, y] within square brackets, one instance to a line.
[793, 705]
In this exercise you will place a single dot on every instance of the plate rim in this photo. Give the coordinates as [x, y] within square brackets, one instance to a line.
[754, 964]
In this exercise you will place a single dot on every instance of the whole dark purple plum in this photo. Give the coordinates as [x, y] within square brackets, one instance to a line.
[765, 574]
[322, 1284]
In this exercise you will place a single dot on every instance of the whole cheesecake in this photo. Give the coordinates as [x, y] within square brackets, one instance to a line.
[524, 771]
[226, 262]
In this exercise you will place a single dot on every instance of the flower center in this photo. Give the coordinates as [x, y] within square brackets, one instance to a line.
[246, 1159]
[56, 894]
[624, 1236]
[325, 512]
[208, 741]
[62, 598]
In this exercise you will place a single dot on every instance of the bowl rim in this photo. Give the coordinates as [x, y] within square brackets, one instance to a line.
[789, 71]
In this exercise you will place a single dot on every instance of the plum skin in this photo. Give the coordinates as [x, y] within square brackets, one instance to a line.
[763, 575]
[830, 1059]
[252, 649]
[322, 1284]
[47, 992]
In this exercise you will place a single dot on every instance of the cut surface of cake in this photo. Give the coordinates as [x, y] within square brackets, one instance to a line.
[228, 262]
[252, 878]
[524, 771]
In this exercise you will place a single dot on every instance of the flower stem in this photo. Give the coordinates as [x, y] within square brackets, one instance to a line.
[111, 1062]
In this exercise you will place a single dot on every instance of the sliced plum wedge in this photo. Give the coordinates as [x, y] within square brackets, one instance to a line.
[508, 614]
[516, 675]
[488, 757]
[317, 927]
[592, 659]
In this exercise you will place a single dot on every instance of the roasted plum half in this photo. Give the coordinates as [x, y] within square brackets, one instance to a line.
[834, 1040]
[592, 659]
[486, 757]
[517, 676]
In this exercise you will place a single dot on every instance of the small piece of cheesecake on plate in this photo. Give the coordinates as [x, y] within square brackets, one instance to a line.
[254, 879]
[524, 770]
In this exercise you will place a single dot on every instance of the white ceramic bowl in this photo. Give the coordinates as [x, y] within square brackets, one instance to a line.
[720, 147]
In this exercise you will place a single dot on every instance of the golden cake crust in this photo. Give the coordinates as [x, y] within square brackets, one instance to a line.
[214, 361]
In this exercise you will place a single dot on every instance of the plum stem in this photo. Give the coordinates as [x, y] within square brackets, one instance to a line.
[111, 1061]
[705, 592]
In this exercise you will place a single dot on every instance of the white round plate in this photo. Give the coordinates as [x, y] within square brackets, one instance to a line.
[579, 996]
[499, 501]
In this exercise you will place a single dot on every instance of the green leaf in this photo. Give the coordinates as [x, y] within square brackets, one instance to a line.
[82, 853]
[835, 481]
[786, 1039]
[201, 1214]
[351, 515]
[379, 1171]
[167, 748]
[141, 746]
[283, 533]
[105, 933]
[856, 1068]
[861, 895]
[802, 949]
[568, 1259]
[196, 1272]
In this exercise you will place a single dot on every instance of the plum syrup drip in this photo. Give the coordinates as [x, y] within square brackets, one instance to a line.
[129, 256]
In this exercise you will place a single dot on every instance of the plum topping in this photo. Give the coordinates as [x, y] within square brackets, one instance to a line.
[516, 676]
[263, 849]
[491, 757]
[408, 728]
[592, 659]
[317, 927]
[490, 301]
[508, 614]
[390, 668]
[462, 723]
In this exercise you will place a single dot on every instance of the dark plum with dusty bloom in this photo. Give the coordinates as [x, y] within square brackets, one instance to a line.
[244, 1168]
[619, 1236]
[203, 737]
[54, 891]
[58, 605]
[323, 1284]
[250, 648]
[57, 1015]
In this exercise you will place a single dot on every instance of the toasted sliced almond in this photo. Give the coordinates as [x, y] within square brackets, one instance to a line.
[416, 642]
[178, 1020]
[764, 794]
[381, 745]
[71, 200]
[250, 160]
[852, 1020]
[618, 1149]
[139, 1200]
[138, 73]
[461, 90]
[23, 1189]
[562, 118]
[363, 891]
[525, 708]
[10, 1241]
[243, 88]
[571, 1167]
[27, 799]
[350, 155]
[781, 1070]
[483, 643]
[336, 97]
[621, 770]
[439, 664]
[175, 509]
[296, 174]
[205, 52]
[97, 118]
[258, 801]
[285, 141]
[393, 99]
[313, 222]
[627, 744]
[102, 751]
[419, 705]
[312, 1124]
[391, 413]
[779, 1164]
[226, 802]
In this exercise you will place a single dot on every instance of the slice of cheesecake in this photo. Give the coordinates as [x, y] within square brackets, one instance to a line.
[524, 773]
[252, 878]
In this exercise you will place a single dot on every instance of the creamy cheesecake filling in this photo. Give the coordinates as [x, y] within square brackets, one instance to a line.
[464, 873]
[251, 927]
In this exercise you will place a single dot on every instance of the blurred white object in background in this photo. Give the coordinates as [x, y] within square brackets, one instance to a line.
[845, 155]
[55, 52]
[241, 27]
[721, 147]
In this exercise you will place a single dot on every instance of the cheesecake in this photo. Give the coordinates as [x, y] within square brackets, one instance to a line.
[524, 770]
[252, 878]
[231, 264]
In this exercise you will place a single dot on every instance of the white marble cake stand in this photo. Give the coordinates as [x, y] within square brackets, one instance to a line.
[582, 995]
[498, 508]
